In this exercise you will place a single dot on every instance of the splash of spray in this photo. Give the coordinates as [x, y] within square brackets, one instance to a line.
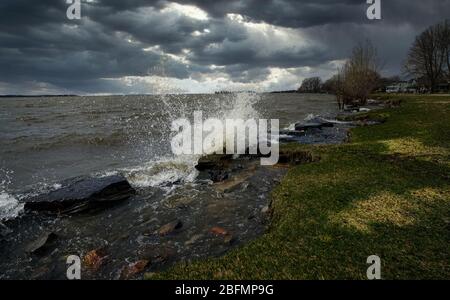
[9, 205]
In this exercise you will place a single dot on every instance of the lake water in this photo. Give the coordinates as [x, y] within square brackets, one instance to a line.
[46, 140]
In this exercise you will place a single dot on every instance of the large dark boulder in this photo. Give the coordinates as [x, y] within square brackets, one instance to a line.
[81, 194]
[213, 161]
[215, 167]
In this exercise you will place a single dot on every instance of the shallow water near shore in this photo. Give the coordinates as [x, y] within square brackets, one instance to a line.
[47, 140]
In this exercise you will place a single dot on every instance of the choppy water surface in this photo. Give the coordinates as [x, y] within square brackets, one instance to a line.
[47, 140]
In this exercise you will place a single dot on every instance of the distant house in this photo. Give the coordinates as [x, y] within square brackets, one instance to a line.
[402, 87]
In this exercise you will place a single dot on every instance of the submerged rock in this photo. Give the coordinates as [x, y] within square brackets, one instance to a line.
[133, 269]
[158, 255]
[178, 201]
[265, 209]
[193, 239]
[217, 231]
[170, 228]
[42, 243]
[95, 259]
[229, 239]
[81, 194]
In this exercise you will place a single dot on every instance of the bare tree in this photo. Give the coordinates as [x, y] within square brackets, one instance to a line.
[357, 78]
[335, 85]
[360, 74]
[445, 45]
[428, 54]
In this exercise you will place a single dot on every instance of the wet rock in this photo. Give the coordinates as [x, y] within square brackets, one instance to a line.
[213, 161]
[158, 255]
[218, 231]
[42, 243]
[228, 239]
[286, 139]
[306, 126]
[235, 181]
[170, 228]
[218, 207]
[292, 132]
[178, 201]
[322, 121]
[133, 269]
[314, 123]
[218, 175]
[213, 175]
[81, 194]
[4, 230]
[193, 239]
[214, 167]
[95, 259]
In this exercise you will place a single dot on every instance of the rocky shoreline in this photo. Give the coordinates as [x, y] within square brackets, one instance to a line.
[121, 232]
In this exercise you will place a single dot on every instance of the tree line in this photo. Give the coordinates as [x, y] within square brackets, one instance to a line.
[428, 62]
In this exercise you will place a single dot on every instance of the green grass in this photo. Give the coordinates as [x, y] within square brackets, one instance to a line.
[387, 192]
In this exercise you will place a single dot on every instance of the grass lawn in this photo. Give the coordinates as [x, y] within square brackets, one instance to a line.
[387, 192]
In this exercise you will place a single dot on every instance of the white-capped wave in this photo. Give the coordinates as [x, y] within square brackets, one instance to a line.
[9, 207]
[163, 172]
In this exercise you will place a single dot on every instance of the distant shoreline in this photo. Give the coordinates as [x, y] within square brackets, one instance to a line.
[112, 95]
[36, 96]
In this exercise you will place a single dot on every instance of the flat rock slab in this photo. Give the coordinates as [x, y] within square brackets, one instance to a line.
[82, 193]
[42, 243]
[292, 133]
[316, 123]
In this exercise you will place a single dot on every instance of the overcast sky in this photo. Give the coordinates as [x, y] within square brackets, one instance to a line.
[137, 46]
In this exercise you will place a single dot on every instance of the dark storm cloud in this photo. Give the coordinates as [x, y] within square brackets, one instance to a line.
[291, 13]
[306, 13]
[133, 38]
